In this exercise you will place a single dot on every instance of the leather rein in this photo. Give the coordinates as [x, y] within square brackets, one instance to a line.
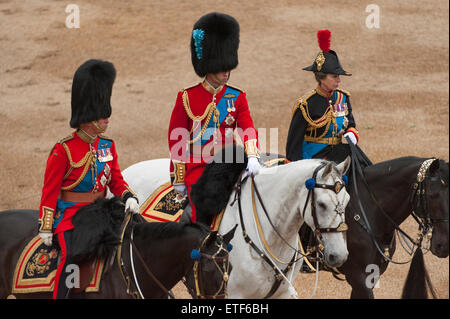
[224, 270]
[417, 197]
[280, 274]
[196, 268]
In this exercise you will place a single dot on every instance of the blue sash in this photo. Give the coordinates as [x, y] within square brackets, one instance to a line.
[228, 100]
[86, 184]
[309, 149]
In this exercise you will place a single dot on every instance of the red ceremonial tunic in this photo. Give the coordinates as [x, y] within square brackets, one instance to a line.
[186, 123]
[74, 165]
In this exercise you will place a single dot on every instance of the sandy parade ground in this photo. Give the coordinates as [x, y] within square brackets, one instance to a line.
[399, 88]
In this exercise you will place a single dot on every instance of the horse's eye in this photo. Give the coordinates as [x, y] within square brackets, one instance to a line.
[322, 205]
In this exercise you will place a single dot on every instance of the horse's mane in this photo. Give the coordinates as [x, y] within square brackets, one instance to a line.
[166, 230]
[405, 161]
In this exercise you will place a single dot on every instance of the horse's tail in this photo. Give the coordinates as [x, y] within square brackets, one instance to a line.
[417, 280]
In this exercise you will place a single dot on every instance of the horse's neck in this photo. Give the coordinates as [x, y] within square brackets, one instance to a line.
[167, 258]
[391, 183]
[280, 192]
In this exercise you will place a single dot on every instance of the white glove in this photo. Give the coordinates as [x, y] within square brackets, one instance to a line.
[180, 189]
[351, 136]
[253, 166]
[132, 205]
[46, 237]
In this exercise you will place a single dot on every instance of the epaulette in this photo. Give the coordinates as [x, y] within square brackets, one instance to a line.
[65, 139]
[302, 100]
[344, 91]
[61, 141]
[105, 137]
[190, 87]
[236, 88]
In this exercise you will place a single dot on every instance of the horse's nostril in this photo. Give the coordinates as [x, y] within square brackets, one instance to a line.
[332, 258]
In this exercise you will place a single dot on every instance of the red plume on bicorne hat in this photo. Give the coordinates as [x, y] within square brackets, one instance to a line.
[323, 37]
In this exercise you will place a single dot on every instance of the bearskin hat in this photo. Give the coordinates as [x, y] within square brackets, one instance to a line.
[214, 44]
[91, 92]
[327, 60]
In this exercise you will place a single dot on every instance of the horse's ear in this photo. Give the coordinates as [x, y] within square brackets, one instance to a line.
[327, 170]
[212, 238]
[344, 166]
[229, 236]
[434, 167]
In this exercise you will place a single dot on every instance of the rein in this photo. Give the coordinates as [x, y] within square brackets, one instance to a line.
[198, 279]
[125, 276]
[279, 275]
[196, 267]
[356, 165]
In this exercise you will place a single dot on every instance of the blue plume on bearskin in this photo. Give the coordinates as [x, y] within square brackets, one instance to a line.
[216, 48]
[96, 229]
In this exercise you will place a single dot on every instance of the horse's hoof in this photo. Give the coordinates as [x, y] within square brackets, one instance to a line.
[11, 297]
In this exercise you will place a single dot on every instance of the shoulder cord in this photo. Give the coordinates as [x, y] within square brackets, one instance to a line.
[86, 161]
[210, 109]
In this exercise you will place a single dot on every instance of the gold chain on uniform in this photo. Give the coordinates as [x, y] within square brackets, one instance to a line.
[87, 160]
[210, 109]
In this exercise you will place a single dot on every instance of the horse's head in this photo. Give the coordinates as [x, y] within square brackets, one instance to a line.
[211, 270]
[326, 217]
[431, 205]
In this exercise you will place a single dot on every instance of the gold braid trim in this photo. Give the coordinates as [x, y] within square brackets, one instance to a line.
[210, 109]
[86, 161]
[325, 120]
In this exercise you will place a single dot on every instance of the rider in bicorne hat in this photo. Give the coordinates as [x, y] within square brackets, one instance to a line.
[83, 165]
[206, 114]
[322, 116]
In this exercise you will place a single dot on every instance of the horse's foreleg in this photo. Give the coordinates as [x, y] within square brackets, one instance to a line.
[360, 289]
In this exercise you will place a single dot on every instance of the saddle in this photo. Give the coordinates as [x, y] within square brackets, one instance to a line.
[166, 205]
[36, 270]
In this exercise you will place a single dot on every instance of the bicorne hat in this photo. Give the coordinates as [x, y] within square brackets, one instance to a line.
[91, 92]
[327, 60]
[214, 44]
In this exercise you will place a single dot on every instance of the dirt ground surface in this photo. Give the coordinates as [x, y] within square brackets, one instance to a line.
[399, 85]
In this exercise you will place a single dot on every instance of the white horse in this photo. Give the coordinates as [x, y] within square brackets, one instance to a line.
[284, 194]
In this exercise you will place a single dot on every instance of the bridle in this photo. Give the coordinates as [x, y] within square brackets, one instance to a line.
[419, 200]
[340, 209]
[221, 262]
[196, 254]
[280, 274]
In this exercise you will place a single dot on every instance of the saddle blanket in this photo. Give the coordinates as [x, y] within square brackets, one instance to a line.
[166, 205]
[36, 269]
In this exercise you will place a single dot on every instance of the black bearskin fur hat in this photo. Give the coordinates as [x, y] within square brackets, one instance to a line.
[91, 92]
[214, 44]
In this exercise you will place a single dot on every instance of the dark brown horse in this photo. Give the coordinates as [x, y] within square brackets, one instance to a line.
[386, 196]
[168, 250]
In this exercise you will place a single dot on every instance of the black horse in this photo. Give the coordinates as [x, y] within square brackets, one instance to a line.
[168, 252]
[387, 193]
[383, 198]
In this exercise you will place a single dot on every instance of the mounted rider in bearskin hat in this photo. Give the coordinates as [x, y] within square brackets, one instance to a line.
[206, 114]
[81, 166]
